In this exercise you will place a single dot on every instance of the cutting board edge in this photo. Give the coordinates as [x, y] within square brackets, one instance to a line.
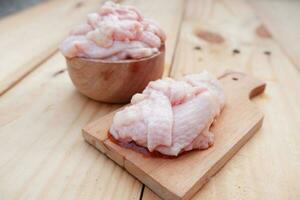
[224, 160]
[248, 88]
[94, 141]
[130, 167]
[154, 185]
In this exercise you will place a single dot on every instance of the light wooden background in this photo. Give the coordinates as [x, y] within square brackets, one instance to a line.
[42, 152]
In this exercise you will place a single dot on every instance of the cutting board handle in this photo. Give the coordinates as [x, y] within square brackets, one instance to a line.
[243, 84]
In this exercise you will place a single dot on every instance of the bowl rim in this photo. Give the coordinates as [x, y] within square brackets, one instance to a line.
[161, 51]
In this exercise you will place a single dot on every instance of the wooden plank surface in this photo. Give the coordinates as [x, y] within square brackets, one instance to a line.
[45, 107]
[267, 167]
[30, 37]
[42, 152]
[283, 19]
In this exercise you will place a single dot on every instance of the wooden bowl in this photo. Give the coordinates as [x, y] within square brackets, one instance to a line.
[114, 81]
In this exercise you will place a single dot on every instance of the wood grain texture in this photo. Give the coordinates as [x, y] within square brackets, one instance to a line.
[42, 153]
[282, 18]
[267, 167]
[35, 116]
[182, 177]
[30, 37]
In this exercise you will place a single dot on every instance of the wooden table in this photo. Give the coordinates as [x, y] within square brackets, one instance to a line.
[42, 152]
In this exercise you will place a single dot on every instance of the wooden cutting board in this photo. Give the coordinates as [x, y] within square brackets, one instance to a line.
[182, 177]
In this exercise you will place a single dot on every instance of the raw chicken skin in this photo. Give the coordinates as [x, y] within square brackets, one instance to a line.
[115, 32]
[172, 116]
